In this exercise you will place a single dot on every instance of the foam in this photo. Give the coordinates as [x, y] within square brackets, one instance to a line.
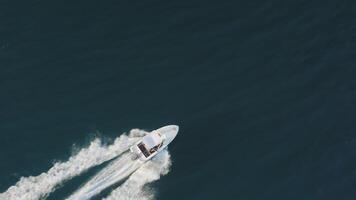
[133, 187]
[120, 169]
[115, 172]
[38, 187]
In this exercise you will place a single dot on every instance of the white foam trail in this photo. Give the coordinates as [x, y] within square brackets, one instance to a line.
[133, 188]
[120, 169]
[37, 187]
[116, 171]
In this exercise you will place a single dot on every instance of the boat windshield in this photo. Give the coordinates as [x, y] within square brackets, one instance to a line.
[143, 149]
[152, 139]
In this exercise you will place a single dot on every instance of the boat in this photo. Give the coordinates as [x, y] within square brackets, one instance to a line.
[154, 142]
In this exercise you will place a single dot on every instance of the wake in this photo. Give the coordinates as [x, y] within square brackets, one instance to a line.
[151, 171]
[116, 171]
[39, 187]
[120, 169]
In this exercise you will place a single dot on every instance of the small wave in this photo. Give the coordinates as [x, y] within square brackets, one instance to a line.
[37, 187]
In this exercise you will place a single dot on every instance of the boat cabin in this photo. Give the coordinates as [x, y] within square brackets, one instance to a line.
[150, 143]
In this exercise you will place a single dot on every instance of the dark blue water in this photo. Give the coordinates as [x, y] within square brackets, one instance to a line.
[264, 92]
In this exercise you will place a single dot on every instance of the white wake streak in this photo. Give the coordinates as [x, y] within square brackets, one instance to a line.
[37, 187]
[116, 171]
[120, 169]
[133, 188]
